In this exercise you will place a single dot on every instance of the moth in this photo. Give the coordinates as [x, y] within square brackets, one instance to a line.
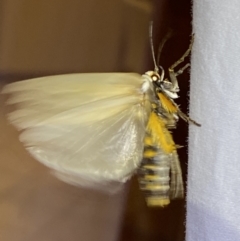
[97, 129]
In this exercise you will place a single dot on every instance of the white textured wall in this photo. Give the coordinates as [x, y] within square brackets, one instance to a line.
[213, 208]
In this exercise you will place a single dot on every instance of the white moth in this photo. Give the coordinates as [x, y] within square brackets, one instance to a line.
[91, 128]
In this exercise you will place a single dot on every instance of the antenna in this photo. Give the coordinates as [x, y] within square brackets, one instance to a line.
[166, 37]
[156, 69]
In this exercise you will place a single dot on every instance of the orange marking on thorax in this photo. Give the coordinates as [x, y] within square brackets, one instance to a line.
[167, 104]
[160, 135]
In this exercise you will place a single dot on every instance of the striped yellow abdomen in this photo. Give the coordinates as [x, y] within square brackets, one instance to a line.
[160, 174]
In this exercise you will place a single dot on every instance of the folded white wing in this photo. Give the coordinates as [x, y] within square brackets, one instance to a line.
[87, 127]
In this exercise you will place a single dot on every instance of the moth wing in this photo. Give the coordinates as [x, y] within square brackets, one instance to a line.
[176, 185]
[166, 147]
[89, 128]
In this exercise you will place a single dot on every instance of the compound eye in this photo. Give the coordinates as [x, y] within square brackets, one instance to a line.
[155, 78]
[167, 85]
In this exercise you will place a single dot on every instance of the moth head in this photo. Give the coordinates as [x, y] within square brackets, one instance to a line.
[154, 76]
[163, 85]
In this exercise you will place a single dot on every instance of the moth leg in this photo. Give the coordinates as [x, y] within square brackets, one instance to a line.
[180, 71]
[172, 74]
[184, 55]
[187, 118]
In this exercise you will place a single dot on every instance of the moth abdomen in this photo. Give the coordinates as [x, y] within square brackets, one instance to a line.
[154, 177]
